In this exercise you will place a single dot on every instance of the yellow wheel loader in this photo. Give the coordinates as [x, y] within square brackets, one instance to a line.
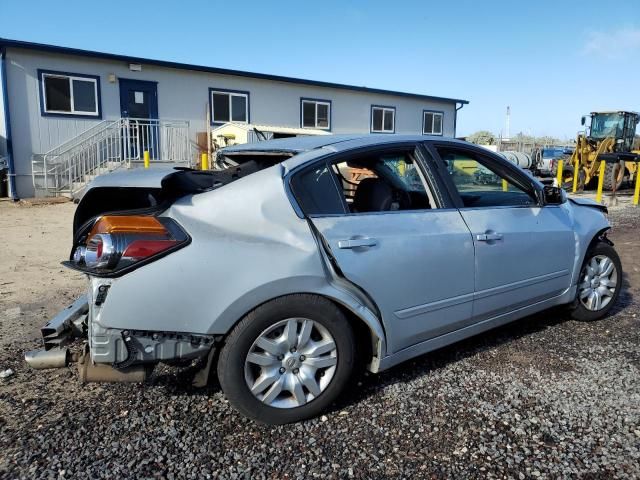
[608, 137]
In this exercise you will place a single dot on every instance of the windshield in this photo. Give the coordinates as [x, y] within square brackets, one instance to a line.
[552, 152]
[607, 125]
[404, 171]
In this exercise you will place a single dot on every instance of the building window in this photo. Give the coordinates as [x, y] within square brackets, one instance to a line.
[69, 94]
[432, 123]
[229, 106]
[383, 119]
[315, 113]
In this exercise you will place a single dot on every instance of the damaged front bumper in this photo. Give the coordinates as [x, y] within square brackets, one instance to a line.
[114, 355]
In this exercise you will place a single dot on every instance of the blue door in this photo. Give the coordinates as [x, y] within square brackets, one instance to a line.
[139, 102]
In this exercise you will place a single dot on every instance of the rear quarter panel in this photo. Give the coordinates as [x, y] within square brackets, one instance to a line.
[248, 246]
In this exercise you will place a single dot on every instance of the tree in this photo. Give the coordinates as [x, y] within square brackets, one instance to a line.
[547, 140]
[482, 137]
[523, 138]
[544, 140]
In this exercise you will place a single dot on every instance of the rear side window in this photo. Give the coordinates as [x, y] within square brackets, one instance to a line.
[382, 182]
[362, 184]
[316, 191]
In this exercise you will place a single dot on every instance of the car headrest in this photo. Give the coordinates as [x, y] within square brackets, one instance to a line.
[374, 195]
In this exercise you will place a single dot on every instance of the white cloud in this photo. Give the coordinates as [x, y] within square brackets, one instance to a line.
[615, 44]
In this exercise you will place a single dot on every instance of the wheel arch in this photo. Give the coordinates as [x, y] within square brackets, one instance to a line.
[593, 238]
[590, 224]
[368, 329]
[600, 236]
[579, 310]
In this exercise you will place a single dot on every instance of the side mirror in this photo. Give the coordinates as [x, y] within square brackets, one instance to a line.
[554, 195]
[583, 120]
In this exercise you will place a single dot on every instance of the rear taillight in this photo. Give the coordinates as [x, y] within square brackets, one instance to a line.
[99, 252]
[117, 243]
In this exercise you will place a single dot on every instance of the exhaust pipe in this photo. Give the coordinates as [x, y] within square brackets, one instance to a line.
[42, 359]
[90, 372]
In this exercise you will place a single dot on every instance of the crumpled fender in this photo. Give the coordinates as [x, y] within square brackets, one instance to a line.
[589, 221]
[587, 202]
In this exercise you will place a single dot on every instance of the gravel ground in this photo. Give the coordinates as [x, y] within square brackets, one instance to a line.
[543, 397]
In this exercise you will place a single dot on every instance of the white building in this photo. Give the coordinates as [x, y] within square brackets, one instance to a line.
[65, 113]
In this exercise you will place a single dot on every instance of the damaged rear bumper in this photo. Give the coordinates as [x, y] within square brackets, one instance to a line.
[114, 355]
[68, 325]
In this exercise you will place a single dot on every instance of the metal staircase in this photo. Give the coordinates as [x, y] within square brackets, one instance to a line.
[111, 144]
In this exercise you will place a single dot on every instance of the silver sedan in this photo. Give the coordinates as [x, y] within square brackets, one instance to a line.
[296, 260]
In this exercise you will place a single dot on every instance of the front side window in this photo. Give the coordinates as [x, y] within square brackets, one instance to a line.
[479, 185]
[432, 123]
[316, 114]
[70, 94]
[229, 106]
[383, 119]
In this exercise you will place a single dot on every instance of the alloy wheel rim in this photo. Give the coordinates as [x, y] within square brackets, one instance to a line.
[598, 283]
[291, 363]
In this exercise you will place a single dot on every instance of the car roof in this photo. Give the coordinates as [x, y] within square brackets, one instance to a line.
[292, 145]
[305, 149]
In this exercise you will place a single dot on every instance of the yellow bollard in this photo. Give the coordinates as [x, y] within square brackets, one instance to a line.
[402, 167]
[146, 159]
[576, 174]
[636, 192]
[600, 181]
[505, 185]
[204, 162]
[559, 177]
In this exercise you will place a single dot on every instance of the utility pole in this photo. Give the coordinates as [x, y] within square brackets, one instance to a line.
[508, 124]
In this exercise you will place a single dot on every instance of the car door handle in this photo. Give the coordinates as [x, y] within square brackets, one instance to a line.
[488, 237]
[357, 242]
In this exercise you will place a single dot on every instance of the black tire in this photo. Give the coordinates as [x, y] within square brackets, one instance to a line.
[579, 311]
[612, 176]
[231, 363]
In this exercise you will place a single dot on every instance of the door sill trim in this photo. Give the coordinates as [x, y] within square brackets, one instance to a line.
[468, 297]
[519, 284]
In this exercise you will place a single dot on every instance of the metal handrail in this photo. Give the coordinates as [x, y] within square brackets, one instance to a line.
[78, 139]
[110, 145]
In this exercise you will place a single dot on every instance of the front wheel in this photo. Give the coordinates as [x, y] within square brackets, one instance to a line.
[599, 283]
[613, 176]
[288, 359]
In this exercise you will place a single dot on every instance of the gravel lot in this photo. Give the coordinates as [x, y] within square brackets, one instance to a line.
[543, 397]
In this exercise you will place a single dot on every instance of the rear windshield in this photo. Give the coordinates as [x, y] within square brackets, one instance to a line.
[228, 168]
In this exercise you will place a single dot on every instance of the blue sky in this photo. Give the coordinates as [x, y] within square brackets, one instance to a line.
[551, 61]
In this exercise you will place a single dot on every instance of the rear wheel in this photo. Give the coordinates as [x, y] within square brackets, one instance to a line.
[599, 283]
[288, 359]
